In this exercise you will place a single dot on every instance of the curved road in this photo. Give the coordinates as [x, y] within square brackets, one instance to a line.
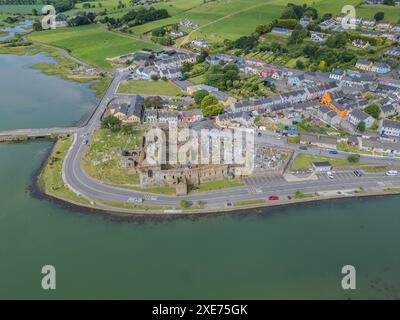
[82, 184]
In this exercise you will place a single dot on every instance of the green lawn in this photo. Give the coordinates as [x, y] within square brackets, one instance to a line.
[304, 161]
[91, 43]
[150, 87]
[248, 202]
[217, 185]
[24, 9]
[102, 160]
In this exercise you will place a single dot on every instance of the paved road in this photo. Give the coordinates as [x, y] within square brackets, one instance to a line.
[257, 188]
[82, 184]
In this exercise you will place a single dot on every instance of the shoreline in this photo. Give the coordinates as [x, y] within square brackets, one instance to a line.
[125, 213]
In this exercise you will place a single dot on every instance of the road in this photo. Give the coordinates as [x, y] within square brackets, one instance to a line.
[255, 188]
[77, 179]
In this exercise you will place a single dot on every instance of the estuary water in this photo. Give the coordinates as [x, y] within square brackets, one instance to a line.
[31, 99]
[289, 252]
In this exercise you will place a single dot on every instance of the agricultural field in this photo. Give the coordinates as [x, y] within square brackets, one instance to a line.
[230, 19]
[91, 43]
[23, 9]
[392, 14]
[162, 88]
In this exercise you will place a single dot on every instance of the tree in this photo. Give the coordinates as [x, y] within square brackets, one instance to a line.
[199, 96]
[373, 110]
[111, 123]
[154, 77]
[184, 204]
[298, 35]
[354, 158]
[379, 16]
[210, 106]
[300, 64]
[153, 102]
[37, 26]
[361, 126]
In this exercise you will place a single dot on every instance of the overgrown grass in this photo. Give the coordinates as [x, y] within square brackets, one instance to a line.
[102, 160]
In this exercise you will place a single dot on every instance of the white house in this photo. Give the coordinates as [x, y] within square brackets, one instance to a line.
[390, 128]
[356, 116]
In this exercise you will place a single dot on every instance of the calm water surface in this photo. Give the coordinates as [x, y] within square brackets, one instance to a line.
[30, 99]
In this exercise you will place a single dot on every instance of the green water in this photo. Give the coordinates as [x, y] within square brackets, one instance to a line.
[293, 252]
[30, 99]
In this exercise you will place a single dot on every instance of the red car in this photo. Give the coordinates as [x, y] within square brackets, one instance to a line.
[273, 198]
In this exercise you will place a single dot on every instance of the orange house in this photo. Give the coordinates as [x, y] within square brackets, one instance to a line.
[339, 109]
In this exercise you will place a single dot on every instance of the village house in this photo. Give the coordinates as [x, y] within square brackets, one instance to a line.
[358, 43]
[280, 30]
[381, 68]
[340, 109]
[234, 120]
[329, 116]
[129, 113]
[305, 21]
[364, 65]
[317, 140]
[166, 117]
[318, 36]
[337, 74]
[201, 43]
[221, 58]
[224, 98]
[190, 90]
[372, 145]
[368, 23]
[188, 24]
[388, 110]
[328, 24]
[296, 80]
[390, 128]
[383, 25]
[151, 116]
[393, 51]
[356, 116]
[192, 116]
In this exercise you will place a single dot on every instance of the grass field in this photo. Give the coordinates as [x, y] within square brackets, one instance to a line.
[91, 43]
[162, 88]
[217, 185]
[304, 161]
[230, 19]
[392, 14]
[24, 9]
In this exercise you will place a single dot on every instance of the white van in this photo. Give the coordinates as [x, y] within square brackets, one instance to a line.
[391, 173]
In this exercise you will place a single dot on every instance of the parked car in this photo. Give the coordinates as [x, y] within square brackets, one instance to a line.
[273, 198]
[333, 152]
[303, 148]
[357, 173]
[229, 204]
[138, 200]
[330, 174]
[391, 173]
